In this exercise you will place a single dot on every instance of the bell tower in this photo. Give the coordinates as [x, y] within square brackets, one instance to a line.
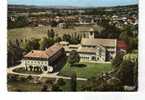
[91, 33]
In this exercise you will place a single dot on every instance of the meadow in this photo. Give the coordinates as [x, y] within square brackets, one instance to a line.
[41, 31]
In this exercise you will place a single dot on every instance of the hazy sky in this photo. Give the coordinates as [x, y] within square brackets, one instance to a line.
[85, 3]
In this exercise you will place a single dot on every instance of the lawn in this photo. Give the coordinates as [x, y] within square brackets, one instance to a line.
[86, 70]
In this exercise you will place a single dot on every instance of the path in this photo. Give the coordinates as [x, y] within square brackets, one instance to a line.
[51, 75]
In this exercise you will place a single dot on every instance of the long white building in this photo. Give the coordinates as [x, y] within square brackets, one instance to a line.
[43, 60]
[93, 49]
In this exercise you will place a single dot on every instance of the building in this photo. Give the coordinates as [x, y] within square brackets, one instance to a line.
[93, 49]
[121, 46]
[97, 49]
[43, 60]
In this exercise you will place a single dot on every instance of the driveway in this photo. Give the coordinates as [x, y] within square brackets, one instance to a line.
[50, 75]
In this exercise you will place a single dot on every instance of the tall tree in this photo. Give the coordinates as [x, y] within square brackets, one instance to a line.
[51, 33]
[118, 59]
[73, 57]
[73, 81]
[126, 73]
[15, 53]
[46, 43]
[43, 43]
[32, 44]
[66, 37]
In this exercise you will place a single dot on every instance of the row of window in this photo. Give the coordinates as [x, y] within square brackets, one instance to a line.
[98, 58]
[85, 58]
[38, 62]
[88, 46]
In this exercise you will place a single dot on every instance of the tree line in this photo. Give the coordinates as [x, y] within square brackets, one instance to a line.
[18, 48]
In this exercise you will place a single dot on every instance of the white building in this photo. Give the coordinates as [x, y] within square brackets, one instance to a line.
[93, 49]
[38, 60]
[97, 49]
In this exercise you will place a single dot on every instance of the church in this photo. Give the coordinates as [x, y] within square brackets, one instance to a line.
[93, 49]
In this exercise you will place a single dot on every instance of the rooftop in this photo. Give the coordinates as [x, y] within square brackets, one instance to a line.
[102, 42]
[121, 45]
[87, 50]
[44, 54]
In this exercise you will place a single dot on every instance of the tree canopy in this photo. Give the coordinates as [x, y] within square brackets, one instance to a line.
[73, 57]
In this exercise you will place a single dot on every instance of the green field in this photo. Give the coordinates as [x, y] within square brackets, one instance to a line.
[86, 70]
[39, 32]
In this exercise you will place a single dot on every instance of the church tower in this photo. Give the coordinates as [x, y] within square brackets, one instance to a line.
[91, 33]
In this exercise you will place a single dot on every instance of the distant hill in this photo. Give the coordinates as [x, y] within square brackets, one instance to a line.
[43, 7]
[59, 7]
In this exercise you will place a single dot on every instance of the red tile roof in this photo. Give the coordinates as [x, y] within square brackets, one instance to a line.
[44, 54]
[121, 45]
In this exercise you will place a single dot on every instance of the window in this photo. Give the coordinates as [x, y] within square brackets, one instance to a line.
[93, 58]
[45, 68]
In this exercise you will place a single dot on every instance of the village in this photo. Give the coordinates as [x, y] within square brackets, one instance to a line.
[72, 49]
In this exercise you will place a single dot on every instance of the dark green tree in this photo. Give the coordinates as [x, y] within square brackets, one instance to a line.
[44, 88]
[73, 81]
[66, 37]
[43, 43]
[73, 57]
[61, 82]
[58, 39]
[118, 59]
[126, 73]
[50, 33]
[46, 43]
[55, 87]
[32, 44]
[15, 53]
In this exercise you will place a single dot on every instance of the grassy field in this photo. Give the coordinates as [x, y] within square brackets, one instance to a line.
[39, 32]
[86, 70]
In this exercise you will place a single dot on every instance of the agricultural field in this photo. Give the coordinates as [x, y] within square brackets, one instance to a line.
[41, 31]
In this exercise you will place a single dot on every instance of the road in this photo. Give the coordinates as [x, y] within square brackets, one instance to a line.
[51, 75]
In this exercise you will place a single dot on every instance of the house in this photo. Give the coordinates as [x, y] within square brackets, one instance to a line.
[43, 60]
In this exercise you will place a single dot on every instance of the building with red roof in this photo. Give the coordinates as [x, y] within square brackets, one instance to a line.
[43, 59]
[121, 45]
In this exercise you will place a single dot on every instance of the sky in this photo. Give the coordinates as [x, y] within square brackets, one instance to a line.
[82, 3]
